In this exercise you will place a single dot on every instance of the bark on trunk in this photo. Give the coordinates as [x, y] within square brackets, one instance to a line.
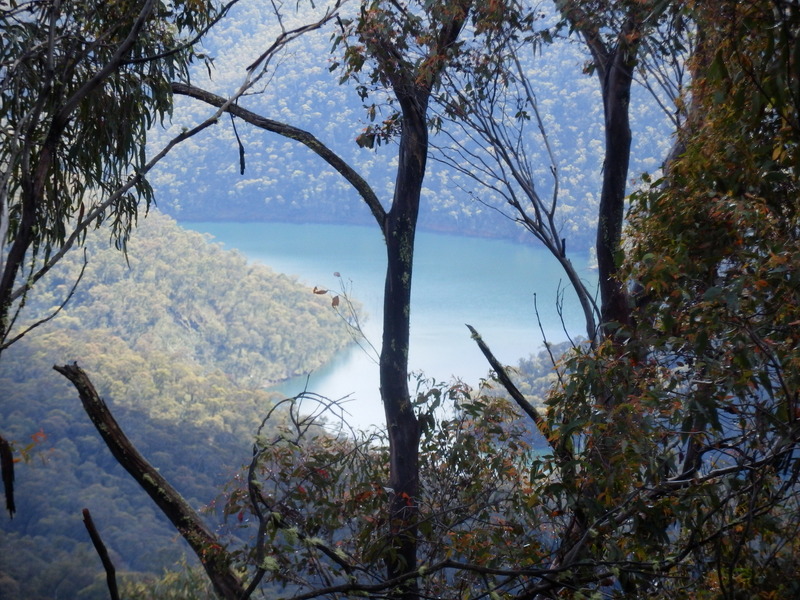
[403, 427]
[616, 79]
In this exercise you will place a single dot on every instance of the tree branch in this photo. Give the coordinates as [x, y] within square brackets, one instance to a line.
[561, 452]
[111, 572]
[7, 330]
[294, 133]
[205, 544]
[7, 468]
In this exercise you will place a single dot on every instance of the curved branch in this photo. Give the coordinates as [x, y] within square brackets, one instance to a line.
[294, 133]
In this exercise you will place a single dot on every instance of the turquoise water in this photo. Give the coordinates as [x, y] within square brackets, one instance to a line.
[489, 284]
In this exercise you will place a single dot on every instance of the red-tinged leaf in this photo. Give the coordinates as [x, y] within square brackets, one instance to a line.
[363, 496]
[320, 290]
[335, 301]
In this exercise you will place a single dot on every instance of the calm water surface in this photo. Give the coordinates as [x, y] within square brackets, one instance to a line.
[489, 284]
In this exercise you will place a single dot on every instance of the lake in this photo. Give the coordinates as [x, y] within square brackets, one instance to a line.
[489, 284]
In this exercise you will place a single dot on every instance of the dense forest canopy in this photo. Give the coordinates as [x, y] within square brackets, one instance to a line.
[663, 462]
[176, 293]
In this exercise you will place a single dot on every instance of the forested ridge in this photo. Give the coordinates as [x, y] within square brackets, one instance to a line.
[200, 180]
[182, 337]
[176, 293]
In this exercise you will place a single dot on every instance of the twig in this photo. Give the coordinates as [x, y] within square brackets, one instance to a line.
[546, 343]
[5, 344]
[111, 572]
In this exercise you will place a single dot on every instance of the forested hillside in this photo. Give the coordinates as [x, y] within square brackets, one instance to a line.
[283, 181]
[179, 341]
[178, 294]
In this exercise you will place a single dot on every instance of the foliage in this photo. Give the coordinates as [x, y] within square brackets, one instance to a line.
[387, 41]
[315, 500]
[81, 85]
[172, 386]
[673, 444]
[183, 582]
[686, 434]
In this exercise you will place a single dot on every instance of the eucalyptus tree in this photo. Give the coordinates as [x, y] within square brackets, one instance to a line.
[80, 84]
[647, 412]
[674, 443]
[398, 51]
[700, 407]
[500, 129]
[500, 139]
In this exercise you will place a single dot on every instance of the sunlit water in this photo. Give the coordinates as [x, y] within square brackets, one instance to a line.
[489, 284]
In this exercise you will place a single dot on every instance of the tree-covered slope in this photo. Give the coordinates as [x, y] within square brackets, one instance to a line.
[178, 343]
[284, 181]
[180, 295]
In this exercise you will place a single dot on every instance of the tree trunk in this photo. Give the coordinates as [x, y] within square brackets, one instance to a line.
[403, 427]
[615, 79]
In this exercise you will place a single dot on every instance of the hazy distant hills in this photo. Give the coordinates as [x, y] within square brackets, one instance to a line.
[200, 180]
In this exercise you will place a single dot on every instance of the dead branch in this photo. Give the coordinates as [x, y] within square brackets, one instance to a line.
[205, 544]
[111, 572]
[7, 468]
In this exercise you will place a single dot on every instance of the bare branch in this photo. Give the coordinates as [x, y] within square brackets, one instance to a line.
[7, 469]
[562, 452]
[304, 137]
[495, 122]
[204, 543]
[100, 547]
